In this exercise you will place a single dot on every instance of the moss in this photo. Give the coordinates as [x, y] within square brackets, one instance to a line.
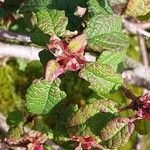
[8, 98]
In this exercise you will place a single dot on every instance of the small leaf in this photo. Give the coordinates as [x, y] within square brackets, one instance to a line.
[53, 70]
[117, 132]
[104, 32]
[113, 59]
[43, 96]
[102, 78]
[52, 22]
[77, 44]
[137, 7]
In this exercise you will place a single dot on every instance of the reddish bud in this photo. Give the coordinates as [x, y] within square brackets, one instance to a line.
[69, 57]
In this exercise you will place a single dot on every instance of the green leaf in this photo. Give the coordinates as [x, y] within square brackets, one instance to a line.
[66, 113]
[86, 112]
[43, 96]
[99, 6]
[89, 121]
[104, 32]
[117, 132]
[142, 127]
[36, 5]
[113, 59]
[52, 22]
[137, 7]
[102, 78]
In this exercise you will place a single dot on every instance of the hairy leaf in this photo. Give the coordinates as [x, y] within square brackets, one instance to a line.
[117, 132]
[138, 7]
[86, 112]
[89, 121]
[102, 78]
[113, 59]
[36, 5]
[43, 96]
[53, 70]
[98, 6]
[52, 22]
[104, 32]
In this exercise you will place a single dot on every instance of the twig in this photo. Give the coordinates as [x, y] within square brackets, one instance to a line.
[3, 126]
[14, 36]
[26, 52]
[138, 77]
[138, 142]
[135, 27]
[144, 55]
[145, 25]
[130, 63]
[143, 51]
[129, 93]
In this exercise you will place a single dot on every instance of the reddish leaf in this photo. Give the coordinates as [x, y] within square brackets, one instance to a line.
[56, 45]
[53, 70]
[77, 45]
[144, 107]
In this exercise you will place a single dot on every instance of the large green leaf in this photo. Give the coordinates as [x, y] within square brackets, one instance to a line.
[117, 132]
[104, 32]
[137, 7]
[113, 59]
[91, 118]
[43, 96]
[86, 112]
[52, 22]
[99, 6]
[102, 78]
